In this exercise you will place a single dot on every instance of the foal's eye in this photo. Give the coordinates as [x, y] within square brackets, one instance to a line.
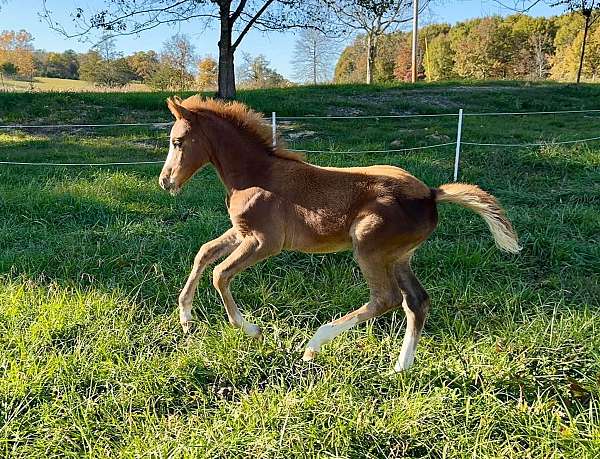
[177, 143]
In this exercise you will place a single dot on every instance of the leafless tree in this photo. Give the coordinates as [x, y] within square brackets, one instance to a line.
[235, 18]
[107, 47]
[314, 55]
[540, 43]
[180, 54]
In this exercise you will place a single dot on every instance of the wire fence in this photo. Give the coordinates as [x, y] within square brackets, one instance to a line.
[274, 119]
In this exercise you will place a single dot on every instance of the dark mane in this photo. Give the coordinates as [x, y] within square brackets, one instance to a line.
[244, 118]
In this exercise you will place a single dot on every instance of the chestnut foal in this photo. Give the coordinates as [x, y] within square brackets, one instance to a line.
[278, 202]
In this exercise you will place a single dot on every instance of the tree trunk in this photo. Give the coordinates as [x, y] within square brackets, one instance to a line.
[226, 80]
[370, 57]
[581, 56]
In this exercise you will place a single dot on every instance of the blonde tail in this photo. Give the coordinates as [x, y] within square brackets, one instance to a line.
[484, 204]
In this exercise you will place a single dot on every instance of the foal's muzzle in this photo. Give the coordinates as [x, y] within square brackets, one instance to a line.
[167, 184]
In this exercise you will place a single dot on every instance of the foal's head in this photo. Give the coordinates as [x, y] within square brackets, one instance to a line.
[187, 154]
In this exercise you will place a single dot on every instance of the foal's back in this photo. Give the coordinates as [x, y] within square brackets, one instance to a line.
[323, 205]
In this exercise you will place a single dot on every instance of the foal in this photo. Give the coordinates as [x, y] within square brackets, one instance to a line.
[277, 202]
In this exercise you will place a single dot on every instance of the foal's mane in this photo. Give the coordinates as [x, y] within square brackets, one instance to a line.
[243, 118]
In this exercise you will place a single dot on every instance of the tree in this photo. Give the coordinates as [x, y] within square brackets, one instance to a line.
[89, 65]
[111, 73]
[62, 65]
[8, 68]
[256, 73]
[313, 58]
[163, 78]
[351, 63]
[484, 48]
[179, 53]
[107, 47]
[567, 64]
[534, 38]
[373, 18]
[439, 59]
[235, 18]
[403, 60]
[589, 10]
[387, 49]
[17, 48]
[207, 73]
[144, 64]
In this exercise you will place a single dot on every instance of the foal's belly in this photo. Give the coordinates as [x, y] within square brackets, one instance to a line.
[321, 247]
[313, 233]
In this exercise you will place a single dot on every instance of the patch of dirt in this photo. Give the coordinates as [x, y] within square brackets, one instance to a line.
[300, 135]
[344, 111]
[405, 97]
[440, 137]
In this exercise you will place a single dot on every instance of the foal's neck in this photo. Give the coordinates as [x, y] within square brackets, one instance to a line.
[240, 160]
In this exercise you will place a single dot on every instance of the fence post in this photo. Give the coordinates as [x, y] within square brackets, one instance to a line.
[274, 127]
[458, 137]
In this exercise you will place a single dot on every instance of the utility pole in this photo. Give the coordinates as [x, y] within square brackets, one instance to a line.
[414, 39]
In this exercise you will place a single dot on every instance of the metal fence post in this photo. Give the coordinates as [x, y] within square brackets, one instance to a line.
[274, 127]
[458, 137]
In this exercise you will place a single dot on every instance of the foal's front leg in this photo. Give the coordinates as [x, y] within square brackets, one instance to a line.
[250, 251]
[208, 253]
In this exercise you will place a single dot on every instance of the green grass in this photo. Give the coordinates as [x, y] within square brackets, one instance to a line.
[93, 362]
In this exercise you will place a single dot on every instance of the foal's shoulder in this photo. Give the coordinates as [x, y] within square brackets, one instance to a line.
[248, 197]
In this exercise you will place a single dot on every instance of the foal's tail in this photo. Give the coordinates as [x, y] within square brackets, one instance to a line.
[484, 204]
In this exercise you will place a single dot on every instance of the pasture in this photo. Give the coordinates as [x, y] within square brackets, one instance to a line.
[92, 358]
[59, 84]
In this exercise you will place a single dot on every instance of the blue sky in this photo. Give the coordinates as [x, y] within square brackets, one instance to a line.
[277, 47]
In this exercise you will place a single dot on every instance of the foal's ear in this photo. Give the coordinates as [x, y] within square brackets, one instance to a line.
[178, 111]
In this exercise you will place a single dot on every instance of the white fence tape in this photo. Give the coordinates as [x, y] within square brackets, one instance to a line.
[540, 144]
[63, 126]
[22, 163]
[425, 147]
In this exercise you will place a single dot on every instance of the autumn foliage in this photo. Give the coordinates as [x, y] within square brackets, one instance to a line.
[513, 47]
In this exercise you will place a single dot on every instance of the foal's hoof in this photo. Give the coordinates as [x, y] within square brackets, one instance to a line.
[401, 367]
[187, 327]
[309, 354]
[253, 331]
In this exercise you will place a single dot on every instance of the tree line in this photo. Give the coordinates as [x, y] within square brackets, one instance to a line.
[517, 47]
[175, 67]
[513, 47]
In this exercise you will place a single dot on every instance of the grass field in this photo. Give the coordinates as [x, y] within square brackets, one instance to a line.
[58, 84]
[92, 359]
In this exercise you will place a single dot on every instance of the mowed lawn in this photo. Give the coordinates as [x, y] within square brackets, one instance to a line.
[92, 358]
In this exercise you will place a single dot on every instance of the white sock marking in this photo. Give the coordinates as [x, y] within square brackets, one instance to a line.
[327, 332]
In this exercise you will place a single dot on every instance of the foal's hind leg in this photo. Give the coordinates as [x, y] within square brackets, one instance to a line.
[208, 253]
[416, 305]
[384, 296]
[249, 252]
